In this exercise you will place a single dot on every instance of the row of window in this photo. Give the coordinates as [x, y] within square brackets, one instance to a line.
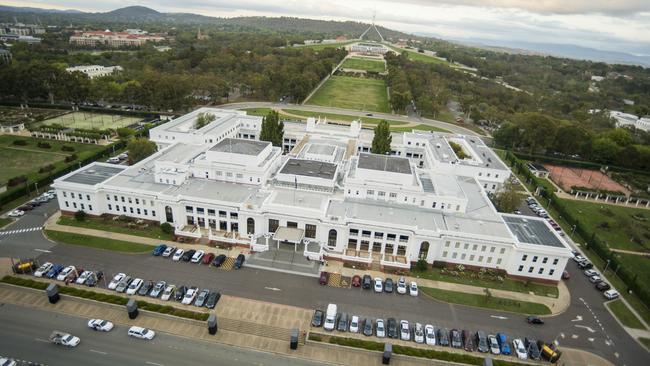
[535, 258]
[80, 207]
[382, 194]
[223, 225]
[463, 257]
[377, 247]
[474, 247]
[310, 229]
[78, 195]
[130, 200]
[131, 210]
[222, 136]
[496, 175]
[531, 269]
[211, 212]
[379, 235]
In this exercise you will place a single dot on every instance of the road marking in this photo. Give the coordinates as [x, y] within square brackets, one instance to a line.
[591, 339]
[272, 288]
[608, 342]
[20, 231]
[616, 354]
[43, 250]
[154, 364]
[498, 317]
[586, 327]
[41, 340]
[577, 319]
[100, 352]
[574, 336]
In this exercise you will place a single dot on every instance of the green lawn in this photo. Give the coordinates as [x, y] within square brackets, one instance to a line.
[97, 242]
[87, 120]
[624, 314]
[117, 227]
[508, 284]
[4, 222]
[645, 341]
[261, 112]
[422, 127]
[321, 46]
[366, 64]
[352, 93]
[482, 301]
[18, 162]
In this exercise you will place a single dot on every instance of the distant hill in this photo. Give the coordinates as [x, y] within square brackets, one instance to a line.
[133, 11]
[16, 9]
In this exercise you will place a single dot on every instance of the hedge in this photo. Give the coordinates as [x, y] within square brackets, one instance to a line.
[108, 298]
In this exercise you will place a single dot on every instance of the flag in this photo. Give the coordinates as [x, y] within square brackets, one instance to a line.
[295, 179]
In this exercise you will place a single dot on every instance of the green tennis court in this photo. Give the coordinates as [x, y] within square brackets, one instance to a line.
[86, 120]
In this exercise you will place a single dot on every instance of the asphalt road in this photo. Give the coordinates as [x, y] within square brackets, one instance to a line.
[30, 243]
[25, 331]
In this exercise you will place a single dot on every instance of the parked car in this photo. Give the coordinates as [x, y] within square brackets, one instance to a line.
[591, 273]
[145, 288]
[190, 295]
[116, 280]
[367, 327]
[413, 289]
[25, 208]
[504, 346]
[134, 286]
[481, 342]
[208, 258]
[494, 345]
[520, 349]
[197, 256]
[603, 286]
[43, 269]
[388, 285]
[533, 350]
[169, 251]
[585, 265]
[141, 333]
[99, 324]
[418, 333]
[202, 297]
[158, 289]
[430, 334]
[168, 293]
[401, 286]
[212, 300]
[566, 275]
[159, 250]
[468, 341]
[317, 319]
[324, 278]
[342, 324]
[178, 254]
[392, 328]
[56, 269]
[187, 256]
[443, 337]
[534, 320]
[404, 330]
[380, 328]
[16, 213]
[579, 258]
[356, 281]
[67, 273]
[456, 339]
[366, 282]
[610, 294]
[123, 284]
[83, 277]
[180, 293]
[239, 261]
[92, 280]
[354, 324]
[330, 317]
[595, 279]
[218, 260]
[379, 286]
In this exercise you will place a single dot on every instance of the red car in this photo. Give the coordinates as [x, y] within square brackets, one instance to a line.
[207, 258]
[356, 281]
[324, 277]
[565, 275]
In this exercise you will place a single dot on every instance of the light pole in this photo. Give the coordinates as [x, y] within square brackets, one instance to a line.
[36, 186]
[573, 229]
[606, 265]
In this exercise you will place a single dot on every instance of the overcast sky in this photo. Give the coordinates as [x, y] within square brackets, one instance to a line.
[617, 25]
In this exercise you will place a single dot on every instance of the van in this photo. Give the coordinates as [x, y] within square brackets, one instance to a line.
[330, 317]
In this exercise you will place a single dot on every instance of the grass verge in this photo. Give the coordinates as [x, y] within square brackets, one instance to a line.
[153, 232]
[431, 354]
[107, 298]
[352, 93]
[4, 222]
[488, 302]
[97, 242]
[507, 284]
[622, 313]
[645, 342]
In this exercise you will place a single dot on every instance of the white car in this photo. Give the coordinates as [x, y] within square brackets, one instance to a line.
[134, 286]
[67, 271]
[168, 251]
[178, 254]
[116, 280]
[494, 345]
[7, 362]
[519, 348]
[413, 289]
[579, 258]
[610, 294]
[43, 269]
[83, 277]
[168, 293]
[16, 213]
[418, 333]
[595, 279]
[379, 285]
[100, 324]
[380, 328]
[190, 295]
[142, 333]
[401, 286]
[196, 258]
[113, 160]
[354, 324]
[591, 273]
[404, 330]
[430, 334]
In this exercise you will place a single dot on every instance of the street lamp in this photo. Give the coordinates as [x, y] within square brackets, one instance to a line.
[573, 229]
[36, 186]
[606, 265]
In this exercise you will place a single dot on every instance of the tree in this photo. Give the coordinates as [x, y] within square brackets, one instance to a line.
[140, 149]
[166, 228]
[80, 215]
[508, 199]
[382, 139]
[203, 119]
[124, 133]
[272, 129]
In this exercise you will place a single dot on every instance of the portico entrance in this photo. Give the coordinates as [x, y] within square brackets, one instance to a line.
[285, 253]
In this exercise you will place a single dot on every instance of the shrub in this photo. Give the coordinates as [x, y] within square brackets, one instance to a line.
[70, 158]
[80, 215]
[421, 265]
[166, 228]
[47, 168]
[67, 148]
[44, 145]
[20, 142]
[17, 180]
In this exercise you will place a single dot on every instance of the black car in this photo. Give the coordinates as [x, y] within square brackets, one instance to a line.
[366, 282]
[188, 255]
[534, 320]
[239, 261]
[391, 326]
[317, 319]
[180, 293]
[468, 341]
[481, 342]
[388, 285]
[92, 280]
[533, 350]
[212, 300]
[456, 339]
[367, 327]
[218, 261]
[145, 288]
[443, 337]
[603, 286]
[342, 324]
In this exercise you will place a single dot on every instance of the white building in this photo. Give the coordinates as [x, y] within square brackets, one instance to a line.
[114, 39]
[368, 48]
[325, 196]
[95, 71]
[627, 119]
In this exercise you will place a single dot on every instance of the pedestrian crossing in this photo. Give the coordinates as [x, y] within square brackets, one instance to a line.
[20, 231]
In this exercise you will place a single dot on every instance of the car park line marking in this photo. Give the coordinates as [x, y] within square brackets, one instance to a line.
[574, 336]
[43, 250]
[591, 339]
[41, 340]
[272, 288]
[154, 363]
[616, 354]
[498, 317]
[577, 319]
[586, 327]
[100, 352]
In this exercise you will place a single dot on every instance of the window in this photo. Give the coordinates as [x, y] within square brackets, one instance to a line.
[222, 213]
[137, 201]
[110, 207]
[447, 244]
[124, 208]
[115, 198]
[68, 205]
[483, 248]
[376, 247]
[273, 224]
[544, 260]
[489, 260]
[466, 246]
[379, 235]
[503, 250]
[211, 212]
[146, 212]
[535, 259]
[457, 245]
[239, 175]
[153, 213]
[83, 207]
[234, 215]
[403, 238]
[108, 197]
[354, 232]
[550, 273]
[475, 246]
[117, 208]
[229, 174]
[365, 245]
[524, 257]
[130, 200]
[365, 233]
[138, 210]
[541, 270]
[381, 193]
[90, 207]
[72, 194]
[434, 205]
[530, 270]
[462, 256]
[64, 194]
[555, 261]
[521, 268]
[310, 231]
[74, 204]
[480, 258]
[190, 220]
[444, 254]
[471, 257]
[492, 249]
[393, 195]
[388, 249]
[498, 261]
[189, 209]
[200, 210]
[401, 250]
[370, 192]
[292, 224]
[131, 209]
[454, 255]
[331, 238]
[391, 237]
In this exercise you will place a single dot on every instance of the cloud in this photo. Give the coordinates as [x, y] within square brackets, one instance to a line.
[612, 7]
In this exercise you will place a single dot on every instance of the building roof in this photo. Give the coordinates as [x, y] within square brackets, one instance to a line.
[537, 167]
[94, 174]
[240, 146]
[532, 231]
[309, 168]
[321, 149]
[385, 163]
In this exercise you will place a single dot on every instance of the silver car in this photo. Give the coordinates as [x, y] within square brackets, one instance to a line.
[158, 289]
